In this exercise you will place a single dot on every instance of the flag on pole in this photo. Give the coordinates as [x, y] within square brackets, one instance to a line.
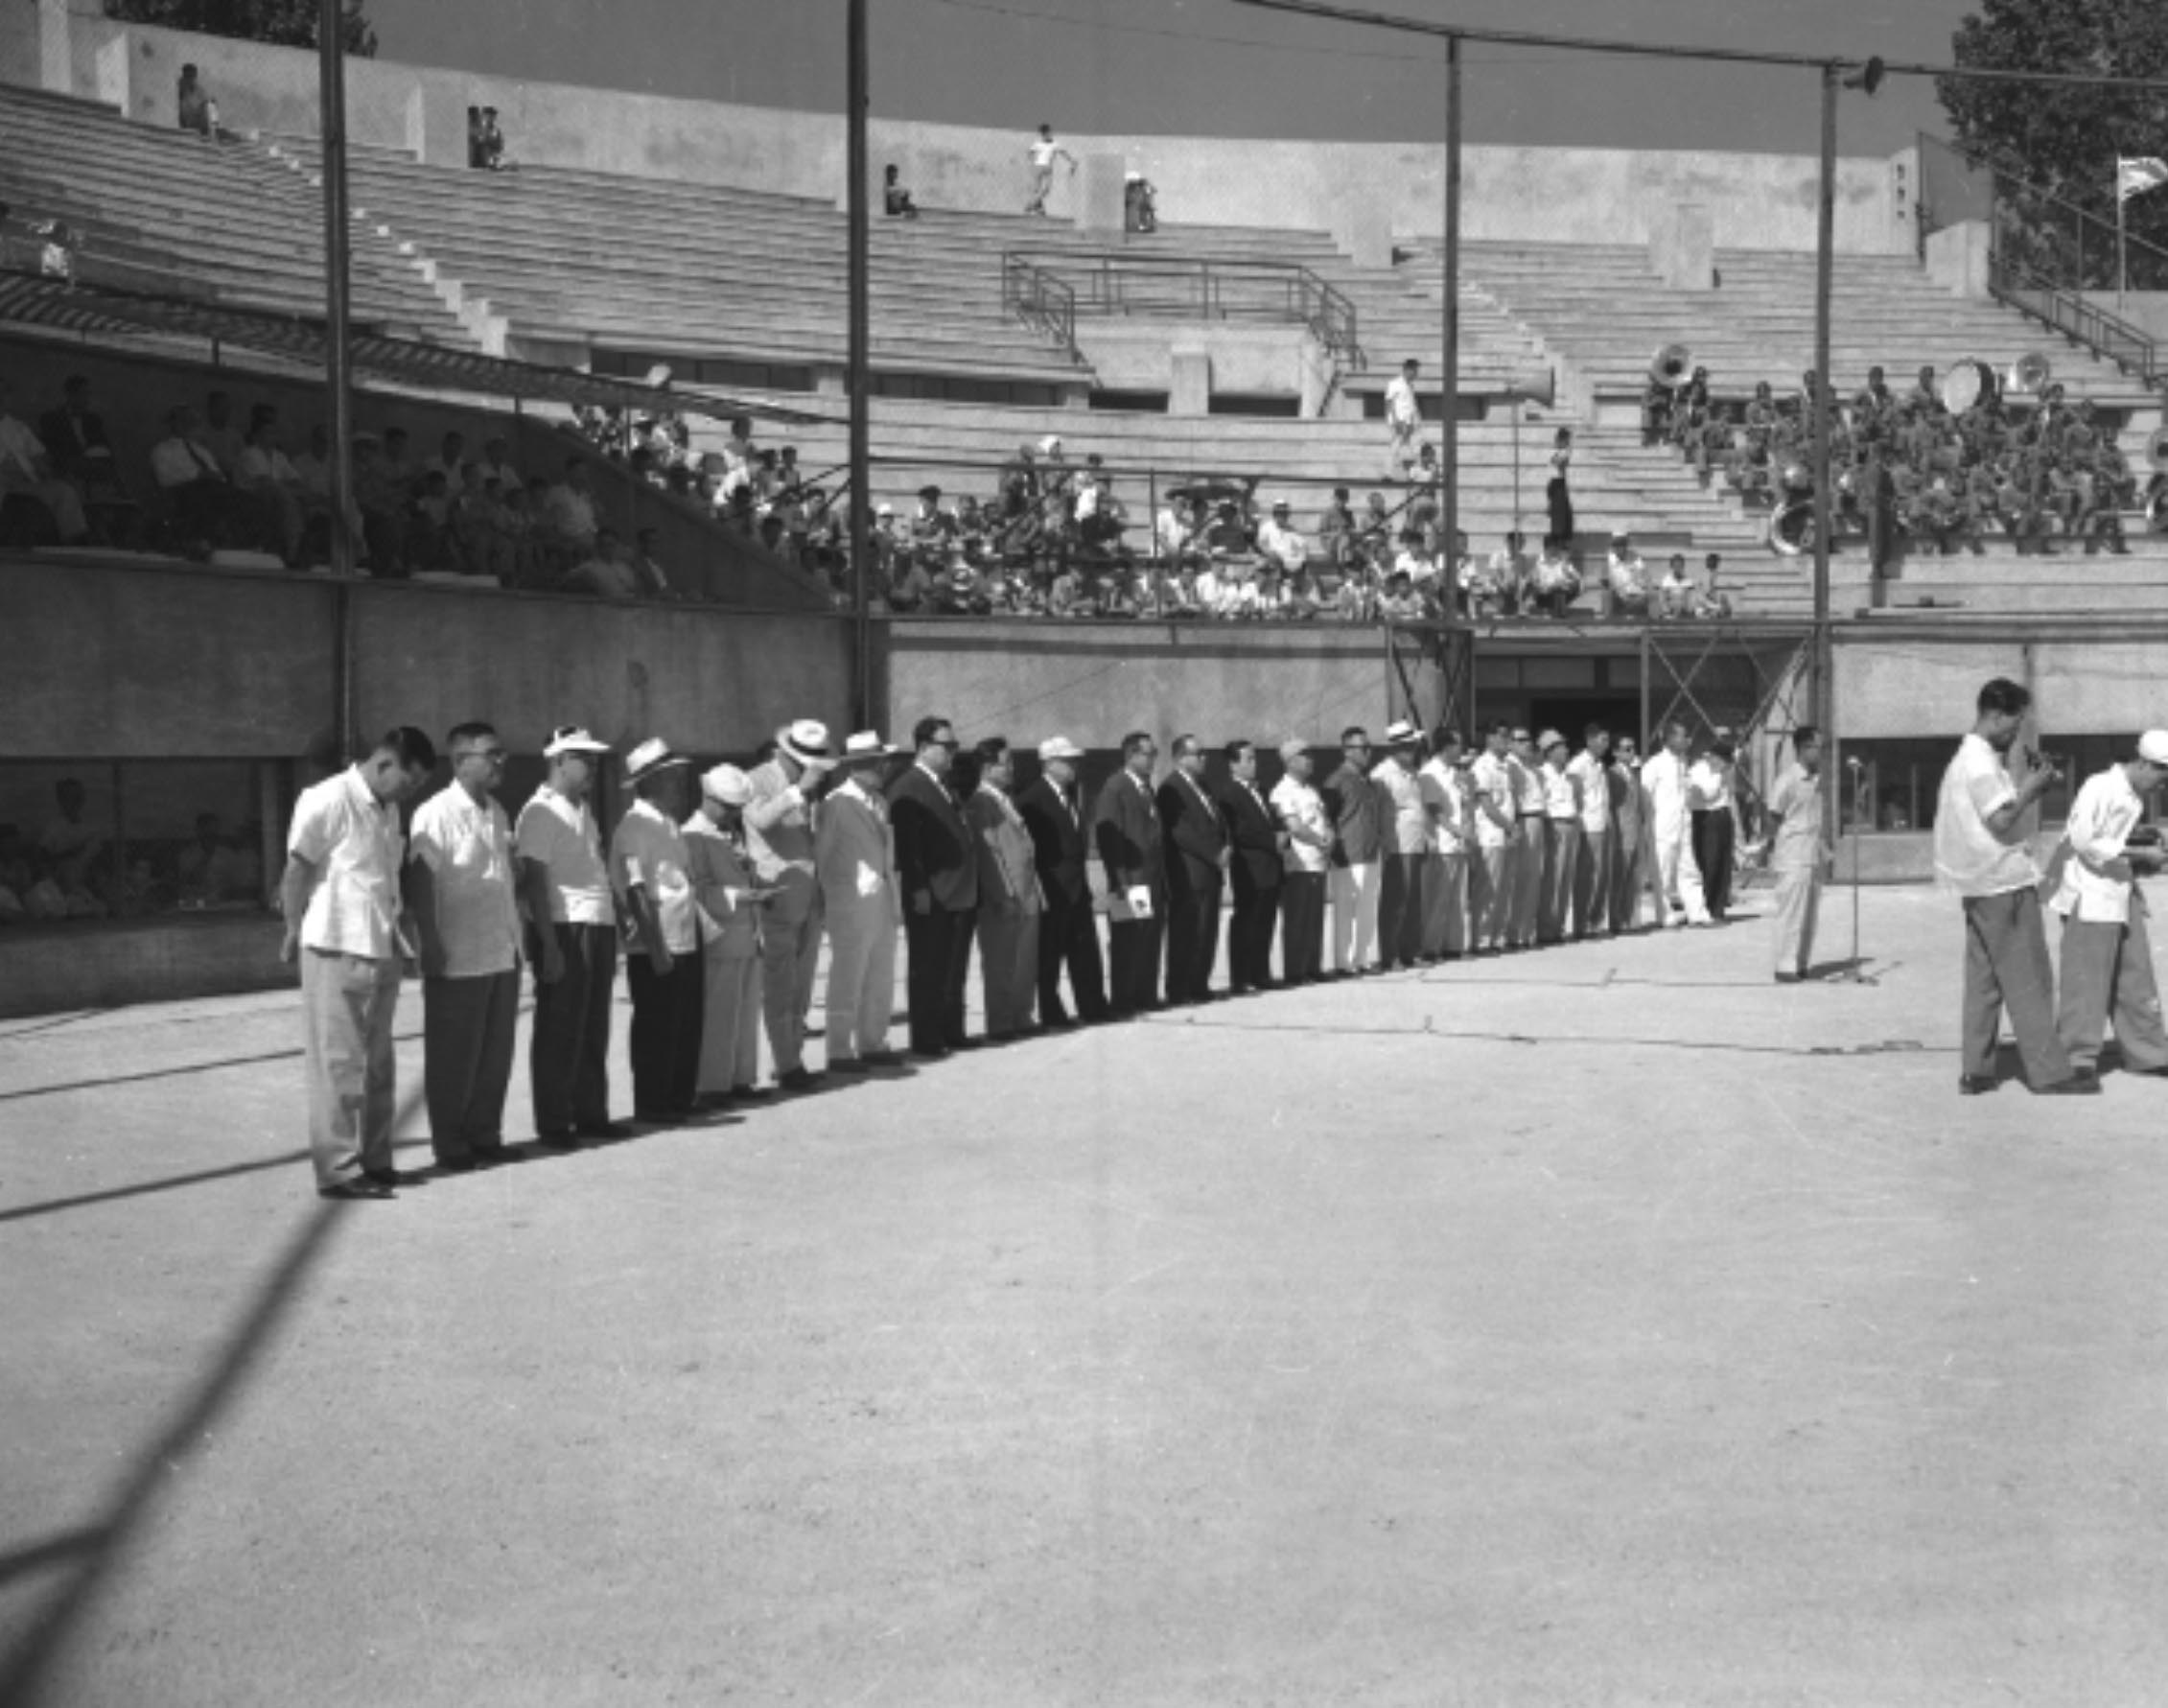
[2134, 178]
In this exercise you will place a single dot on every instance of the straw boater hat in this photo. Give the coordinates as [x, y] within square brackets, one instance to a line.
[1292, 746]
[571, 737]
[1548, 739]
[864, 748]
[651, 756]
[1059, 747]
[1399, 732]
[807, 742]
[728, 784]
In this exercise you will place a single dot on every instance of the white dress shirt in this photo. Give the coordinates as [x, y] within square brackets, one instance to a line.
[1970, 858]
[1491, 782]
[1295, 804]
[1445, 789]
[1561, 801]
[1410, 818]
[647, 852]
[1592, 776]
[1663, 780]
[562, 837]
[1708, 785]
[2097, 884]
[353, 841]
[467, 845]
[182, 462]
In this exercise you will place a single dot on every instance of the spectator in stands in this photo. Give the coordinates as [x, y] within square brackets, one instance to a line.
[1557, 493]
[198, 111]
[1628, 577]
[313, 465]
[1279, 542]
[647, 567]
[1044, 151]
[475, 156]
[1140, 203]
[210, 869]
[604, 571]
[81, 454]
[895, 199]
[449, 462]
[494, 159]
[1714, 601]
[35, 505]
[70, 843]
[568, 515]
[382, 502]
[1674, 594]
[1403, 417]
[206, 505]
[439, 543]
[264, 472]
[1555, 581]
[220, 435]
[496, 460]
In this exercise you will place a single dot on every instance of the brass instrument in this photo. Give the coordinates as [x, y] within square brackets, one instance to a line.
[1672, 366]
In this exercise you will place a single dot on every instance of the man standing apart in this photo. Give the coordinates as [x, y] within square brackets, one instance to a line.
[650, 862]
[1406, 835]
[1067, 931]
[1591, 773]
[1200, 854]
[730, 897]
[779, 835]
[1010, 902]
[2107, 951]
[1045, 151]
[854, 856]
[1497, 837]
[1712, 796]
[1255, 871]
[1125, 825]
[941, 888]
[1358, 815]
[1404, 416]
[1561, 839]
[1798, 853]
[1447, 799]
[575, 954]
[1301, 814]
[462, 894]
[340, 898]
[1670, 824]
[1982, 829]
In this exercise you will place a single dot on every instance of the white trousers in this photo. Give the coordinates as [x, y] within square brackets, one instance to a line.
[1679, 899]
[1354, 890]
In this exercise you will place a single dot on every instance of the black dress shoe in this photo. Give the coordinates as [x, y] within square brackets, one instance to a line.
[848, 1064]
[605, 1130]
[940, 1054]
[657, 1117]
[882, 1059]
[799, 1079]
[459, 1165]
[750, 1094]
[361, 1191]
[491, 1156]
[1977, 1085]
[2085, 1083]
[389, 1177]
[558, 1142]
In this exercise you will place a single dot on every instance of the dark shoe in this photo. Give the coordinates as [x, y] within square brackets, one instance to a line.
[2085, 1083]
[847, 1064]
[458, 1166]
[881, 1059]
[931, 1055]
[362, 1191]
[491, 1156]
[799, 1079]
[558, 1142]
[1977, 1085]
[813, 1031]
[714, 1100]
[657, 1117]
[605, 1130]
[750, 1094]
[1788, 978]
[389, 1177]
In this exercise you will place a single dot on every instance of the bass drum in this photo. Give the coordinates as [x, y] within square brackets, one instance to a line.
[1791, 529]
[1966, 384]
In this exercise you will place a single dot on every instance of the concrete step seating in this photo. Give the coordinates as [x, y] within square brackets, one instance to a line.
[210, 208]
[2002, 582]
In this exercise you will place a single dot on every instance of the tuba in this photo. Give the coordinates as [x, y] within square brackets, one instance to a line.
[1672, 366]
[2157, 450]
[2030, 373]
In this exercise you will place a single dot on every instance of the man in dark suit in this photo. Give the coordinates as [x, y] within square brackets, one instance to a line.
[1066, 929]
[75, 440]
[1198, 854]
[1254, 831]
[1126, 825]
[938, 868]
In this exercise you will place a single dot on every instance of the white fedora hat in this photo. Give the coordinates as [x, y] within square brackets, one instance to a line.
[865, 747]
[1399, 732]
[651, 756]
[1060, 747]
[806, 741]
[728, 784]
[571, 737]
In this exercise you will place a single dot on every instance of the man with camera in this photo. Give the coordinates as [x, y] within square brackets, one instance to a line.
[2107, 956]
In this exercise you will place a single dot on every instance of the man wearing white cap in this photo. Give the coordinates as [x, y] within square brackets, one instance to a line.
[854, 854]
[1053, 813]
[1591, 772]
[573, 918]
[779, 835]
[1405, 830]
[1670, 831]
[649, 860]
[1301, 812]
[1448, 798]
[1279, 541]
[2106, 952]
[730, 896]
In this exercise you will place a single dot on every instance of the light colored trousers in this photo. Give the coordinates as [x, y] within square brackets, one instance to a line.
[1445, 904]
[730, 1020]
[1009, 969]
[1593, 879]
[2107, 974]
[1528, 877]
[1629, 871]
[861, 998]
[1799, 904]
[1491, 898]
[1561, 862]
[347, 1003]
[1355, 916]
[1678, 878]
[789, 951]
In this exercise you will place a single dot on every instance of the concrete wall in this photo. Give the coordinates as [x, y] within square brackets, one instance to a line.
[1534, 195]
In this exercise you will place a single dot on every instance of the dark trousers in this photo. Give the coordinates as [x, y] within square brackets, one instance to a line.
[1400, 910]
[1302, 927]
[1133, 946]
[668, 1013]
[1068, 933]
[569, 1059]
[939, 941]
[2006, 965]
[1713, 837]
[1192, 941]
[1249, 932]
[467, 1029]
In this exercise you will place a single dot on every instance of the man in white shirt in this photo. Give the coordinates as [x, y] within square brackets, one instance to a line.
[573, 918]
[28, 482]
[1628, 577]
[1561, 838]
[1404, 416]
[1591, 772]
[1498, 835]
[1983, 826]
[2106, 952]
[1712, 798]
[779, 834]
[496, 464]
[605, 573]
[340, 898]
[1664, 785]
[451, 463]
[1044, 151]
[1406, 841]
[1280, 542]
[198, 486]
[651, 868]
[568, 514]
[1301, 812]
[462, 895]
[1447, 800]
[1523, 765]
[1798, 853]
[853, 854]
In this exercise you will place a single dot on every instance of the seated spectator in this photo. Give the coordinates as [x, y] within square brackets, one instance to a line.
[647, 567]
[265, 475]
[567, 516]
[1714, 601]
[207, 508]
[450, 461]
[437, 540]
[604, 572]
[496, 460]
[197, 110]
[1627, 576]
[70, 843]
[209, 868]
[929, 523]
[1512, 574]
[312, 467]
[1399, 601]
[911, 587]
[896, 199]
[493, 530]
[35, 506]
[1676, 593]
[1140, 203]
[1555, 579]
[82, 455]
[384, 504]
[221, 434]
[1279, 544]
[494, 159]
[772, 536]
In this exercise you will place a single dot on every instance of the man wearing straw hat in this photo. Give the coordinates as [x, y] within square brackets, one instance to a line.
[1067, 930]
[779, 835]
[854, 856]
[730, 897]
[1302, 813]
[1448, 798]
[648, 863]
[1406, 833]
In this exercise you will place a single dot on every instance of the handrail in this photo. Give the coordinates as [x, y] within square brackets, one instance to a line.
[1039, 301]
[2068, 311]
[1286, 291]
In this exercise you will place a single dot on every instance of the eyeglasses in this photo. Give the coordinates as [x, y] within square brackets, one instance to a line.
[948, 741]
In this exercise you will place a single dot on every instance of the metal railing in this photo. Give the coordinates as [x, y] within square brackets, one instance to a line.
[1283, 292]
[2070, 311]
[1040, 301]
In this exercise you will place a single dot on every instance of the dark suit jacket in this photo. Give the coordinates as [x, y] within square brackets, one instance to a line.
[57, 432]
[933, 850]
[1059, 846]
[1196, 833]
[1256, 834]
[1351, 800]
[1126, 829]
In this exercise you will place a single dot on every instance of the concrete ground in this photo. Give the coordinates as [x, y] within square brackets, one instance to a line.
[1606, 1326]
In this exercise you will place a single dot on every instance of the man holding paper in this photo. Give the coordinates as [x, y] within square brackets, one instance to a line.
[1125, 827]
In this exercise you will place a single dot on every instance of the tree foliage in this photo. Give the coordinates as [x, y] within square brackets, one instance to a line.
[282, 23]
[2063, 140]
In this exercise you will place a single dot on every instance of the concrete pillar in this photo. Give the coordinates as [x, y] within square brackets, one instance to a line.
[1957, 258]
[1189, 392]
[55, 48]
[1363, 226]
[1099, 184]
[1682, 248]
[116, 69]
[436, 123]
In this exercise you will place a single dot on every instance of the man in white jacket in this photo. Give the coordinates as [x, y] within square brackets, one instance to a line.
[2107, 957]
[1670, 829]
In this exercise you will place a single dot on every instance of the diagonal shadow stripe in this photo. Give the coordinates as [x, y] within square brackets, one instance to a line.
[37, 1556]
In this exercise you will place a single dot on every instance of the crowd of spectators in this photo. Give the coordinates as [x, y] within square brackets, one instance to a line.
[1909, 473]
[73, 869]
